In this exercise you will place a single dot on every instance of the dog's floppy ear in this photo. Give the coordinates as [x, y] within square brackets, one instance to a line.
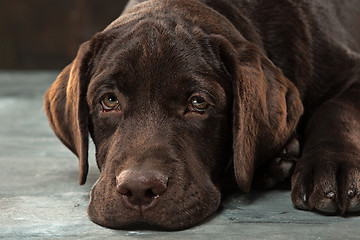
[266, 108]
[67, 109]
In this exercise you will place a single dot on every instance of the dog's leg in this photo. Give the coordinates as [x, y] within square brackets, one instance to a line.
[327, 175]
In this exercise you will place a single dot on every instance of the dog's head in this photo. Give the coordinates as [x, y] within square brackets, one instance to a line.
[169, 99]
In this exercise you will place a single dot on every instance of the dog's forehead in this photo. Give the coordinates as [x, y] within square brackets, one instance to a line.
[158, 45]
[156, 58]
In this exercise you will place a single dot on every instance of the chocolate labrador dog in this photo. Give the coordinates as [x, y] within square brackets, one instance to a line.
[176, 93]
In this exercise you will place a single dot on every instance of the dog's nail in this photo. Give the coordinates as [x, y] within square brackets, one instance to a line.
[283, 152]
[304, 197]
[296, 149]
[277, 161]
[351, 193]
[330, 195]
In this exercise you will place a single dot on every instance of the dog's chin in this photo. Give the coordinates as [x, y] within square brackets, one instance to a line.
[176, 210]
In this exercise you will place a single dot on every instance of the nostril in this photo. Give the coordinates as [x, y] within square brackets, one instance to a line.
[150, 194]
[123, 190]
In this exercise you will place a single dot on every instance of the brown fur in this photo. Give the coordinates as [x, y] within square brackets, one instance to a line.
[258, 64]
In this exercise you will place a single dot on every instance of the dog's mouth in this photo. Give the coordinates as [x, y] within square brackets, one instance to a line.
[182, 204]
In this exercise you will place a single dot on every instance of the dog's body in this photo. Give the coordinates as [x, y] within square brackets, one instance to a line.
[173, 90]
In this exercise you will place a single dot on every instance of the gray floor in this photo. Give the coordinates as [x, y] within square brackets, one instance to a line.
[41, 199]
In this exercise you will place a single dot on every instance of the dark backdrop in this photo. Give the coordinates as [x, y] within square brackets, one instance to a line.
[45, 34]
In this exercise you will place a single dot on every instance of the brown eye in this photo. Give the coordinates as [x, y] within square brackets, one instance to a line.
[110, 102]
[199, 104]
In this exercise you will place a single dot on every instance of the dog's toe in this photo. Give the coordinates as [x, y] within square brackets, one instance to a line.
[350, 180]
[291, 149]
[354, 204]
[327, 203]
[301, 188]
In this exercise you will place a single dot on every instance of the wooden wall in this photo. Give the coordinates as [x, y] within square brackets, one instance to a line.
[45, 34]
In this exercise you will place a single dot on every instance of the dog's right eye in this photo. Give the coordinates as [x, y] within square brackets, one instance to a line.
[110, 102]
[198, 104]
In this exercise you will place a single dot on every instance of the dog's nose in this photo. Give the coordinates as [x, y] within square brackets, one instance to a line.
[141, 189]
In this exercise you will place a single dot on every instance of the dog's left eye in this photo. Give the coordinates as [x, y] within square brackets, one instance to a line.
[110, 102]
[198, 104]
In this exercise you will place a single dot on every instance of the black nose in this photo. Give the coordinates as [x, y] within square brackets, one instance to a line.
[140, 189]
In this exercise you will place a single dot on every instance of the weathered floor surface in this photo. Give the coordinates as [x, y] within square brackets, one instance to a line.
[40, 197]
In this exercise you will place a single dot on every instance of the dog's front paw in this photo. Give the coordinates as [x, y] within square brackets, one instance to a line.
[329, 184]
[279, 168]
